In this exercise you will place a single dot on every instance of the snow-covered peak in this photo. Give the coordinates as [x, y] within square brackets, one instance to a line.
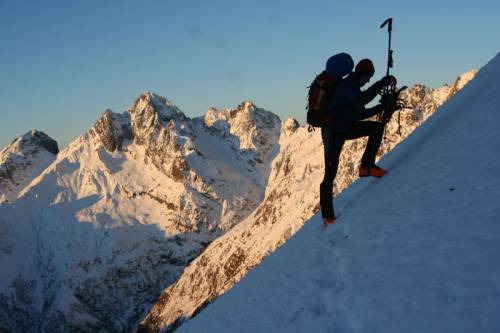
[217, 120]
[247, 107]
[251, 128]
[31, 142]
[290, 125]
[151, 102]
[143, 121]
[22, 160]
[150, 115]
[247, 113]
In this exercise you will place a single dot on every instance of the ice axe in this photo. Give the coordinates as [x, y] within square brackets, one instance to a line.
[390, 95]
[390, 62]
[386, 93]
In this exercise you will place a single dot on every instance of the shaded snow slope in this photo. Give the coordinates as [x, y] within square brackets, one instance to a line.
[292, 197]
[416, 251]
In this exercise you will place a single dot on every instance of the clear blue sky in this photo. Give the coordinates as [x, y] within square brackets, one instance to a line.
[62, 63]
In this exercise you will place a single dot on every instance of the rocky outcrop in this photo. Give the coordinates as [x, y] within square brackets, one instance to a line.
[112, 129]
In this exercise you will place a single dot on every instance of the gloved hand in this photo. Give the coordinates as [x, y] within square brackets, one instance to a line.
[388, 80]
[380, 108]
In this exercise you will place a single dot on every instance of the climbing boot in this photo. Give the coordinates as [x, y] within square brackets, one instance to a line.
[328, 220]
[373, 171]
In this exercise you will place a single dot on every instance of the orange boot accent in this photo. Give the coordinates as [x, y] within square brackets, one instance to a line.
[373, 171]
[328, 220]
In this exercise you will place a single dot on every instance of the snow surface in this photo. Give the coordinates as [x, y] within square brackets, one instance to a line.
[414, 252]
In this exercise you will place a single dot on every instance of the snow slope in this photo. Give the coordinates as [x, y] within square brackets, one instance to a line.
[414, 252]
[292, 197]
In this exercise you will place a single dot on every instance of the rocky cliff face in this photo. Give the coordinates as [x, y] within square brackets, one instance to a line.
[112, 129]
[292, 197]
[24, 159]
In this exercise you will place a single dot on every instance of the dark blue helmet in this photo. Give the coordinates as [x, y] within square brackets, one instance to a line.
[339, 65]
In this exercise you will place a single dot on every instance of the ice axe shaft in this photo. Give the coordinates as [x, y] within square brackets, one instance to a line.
[390, 63]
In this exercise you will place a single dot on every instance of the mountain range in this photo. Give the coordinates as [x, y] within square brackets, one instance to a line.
[150, 215]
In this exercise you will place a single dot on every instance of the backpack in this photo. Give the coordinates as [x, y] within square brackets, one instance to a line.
[322, 89]
[320, 93]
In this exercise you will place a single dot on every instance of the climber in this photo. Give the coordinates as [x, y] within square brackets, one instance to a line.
[347, 108]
